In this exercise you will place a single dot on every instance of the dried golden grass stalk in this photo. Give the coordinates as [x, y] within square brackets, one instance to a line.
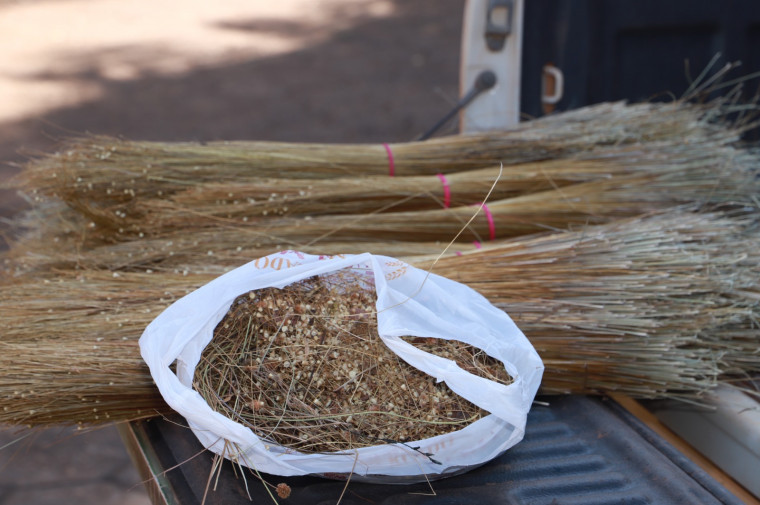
[175, 231]
[166, 166]
[686, 169]
[592, 202]
[211, 205]
[627, 293]
[654, 307]
[69, 350]
[100, 175]
[181, 256]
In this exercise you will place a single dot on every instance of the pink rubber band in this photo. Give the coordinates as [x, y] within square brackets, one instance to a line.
[391, 163]
[446, 191]
[476, 244]
[491, 224]
[458, 253]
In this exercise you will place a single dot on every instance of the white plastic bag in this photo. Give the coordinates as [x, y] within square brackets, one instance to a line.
[409, 303]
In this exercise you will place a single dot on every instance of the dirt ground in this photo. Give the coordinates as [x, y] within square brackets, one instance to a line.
[295, 70]
[292, 70]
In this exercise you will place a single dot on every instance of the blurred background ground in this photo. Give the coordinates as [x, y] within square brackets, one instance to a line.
[291, 70]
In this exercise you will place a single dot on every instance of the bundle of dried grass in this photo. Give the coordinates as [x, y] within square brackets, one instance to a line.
[69, 350]
[210, 205]
[706, 172]
[607, 305]
[389, 233]
[184, 255]
[662, 306]
[148, 167]
[178, 240]
[107, 180]
[654, 307]
[174, 232]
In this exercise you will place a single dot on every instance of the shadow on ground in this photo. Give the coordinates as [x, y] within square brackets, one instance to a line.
[379, 79]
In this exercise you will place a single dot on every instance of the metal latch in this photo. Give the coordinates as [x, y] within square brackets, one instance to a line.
[498, 23]
[498, 107]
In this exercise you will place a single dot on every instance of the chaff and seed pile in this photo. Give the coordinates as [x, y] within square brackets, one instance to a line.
[304, 366]
[622, 239]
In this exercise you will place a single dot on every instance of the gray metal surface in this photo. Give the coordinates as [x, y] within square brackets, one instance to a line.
[578, 450]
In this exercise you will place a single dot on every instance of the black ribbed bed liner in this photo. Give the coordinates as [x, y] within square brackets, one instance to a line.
[578, 450]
